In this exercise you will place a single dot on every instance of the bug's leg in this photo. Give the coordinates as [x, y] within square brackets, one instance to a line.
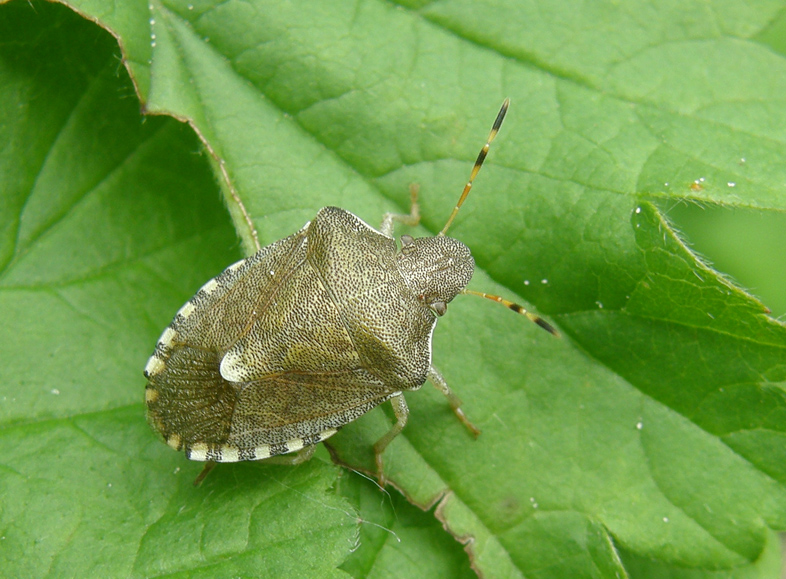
[412, 218]
[455, 402]
[401, 410]
[301, 455]
[304, 454]
[209, 465]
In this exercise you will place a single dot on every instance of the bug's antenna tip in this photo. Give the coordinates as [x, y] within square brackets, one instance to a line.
[500, 117]
[546, 326]
[478, 163]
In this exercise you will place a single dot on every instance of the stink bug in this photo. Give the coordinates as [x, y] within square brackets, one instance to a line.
[287, 346]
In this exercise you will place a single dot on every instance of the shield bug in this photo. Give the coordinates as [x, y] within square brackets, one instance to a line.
[285, 347]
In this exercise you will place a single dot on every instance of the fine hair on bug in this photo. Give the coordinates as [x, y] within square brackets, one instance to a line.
[285, 347]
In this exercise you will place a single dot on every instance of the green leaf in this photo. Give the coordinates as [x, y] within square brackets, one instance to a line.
[649, 441]
[99, 210]
[389, 530]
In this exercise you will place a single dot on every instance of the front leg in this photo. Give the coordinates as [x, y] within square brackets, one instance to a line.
[411, 219]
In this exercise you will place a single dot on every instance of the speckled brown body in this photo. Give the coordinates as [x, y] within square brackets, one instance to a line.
[284, 348]
[308, 334]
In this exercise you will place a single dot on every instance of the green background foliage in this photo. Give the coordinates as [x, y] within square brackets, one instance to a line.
[647, 442]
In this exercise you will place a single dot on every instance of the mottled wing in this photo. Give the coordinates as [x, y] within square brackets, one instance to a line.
[259, 362]
[304, 408]
[227, 422]
[187, 400]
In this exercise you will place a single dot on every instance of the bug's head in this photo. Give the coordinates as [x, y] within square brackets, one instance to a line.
[436, 269]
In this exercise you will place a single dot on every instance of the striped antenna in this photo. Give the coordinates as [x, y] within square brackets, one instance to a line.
[478, 163]
[516, 308]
